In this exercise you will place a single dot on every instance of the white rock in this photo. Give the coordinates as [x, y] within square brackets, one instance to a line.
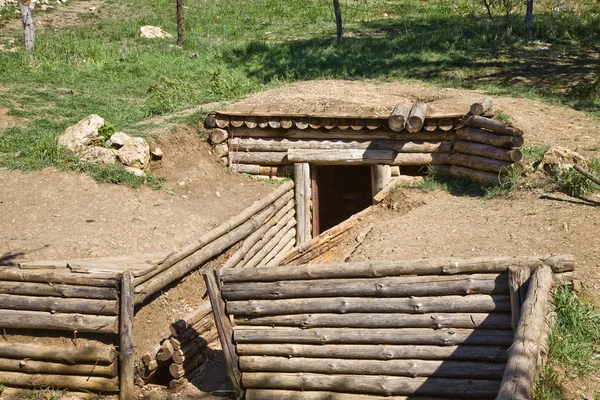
[99, 155]
[92, 9]
[135, 153]
[156, 154]
[558, 158]
[118, 140]
[135, 171]
[82, 134]
[153, 32]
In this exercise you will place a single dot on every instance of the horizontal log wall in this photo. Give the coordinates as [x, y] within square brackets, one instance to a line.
[476, 147]
[376, 328]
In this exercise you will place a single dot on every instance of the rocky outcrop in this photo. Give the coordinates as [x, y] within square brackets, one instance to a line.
[99, 155]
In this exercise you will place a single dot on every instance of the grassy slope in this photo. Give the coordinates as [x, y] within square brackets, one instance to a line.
[103, 67]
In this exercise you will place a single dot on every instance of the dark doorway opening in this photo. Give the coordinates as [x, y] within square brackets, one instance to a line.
[338, 193]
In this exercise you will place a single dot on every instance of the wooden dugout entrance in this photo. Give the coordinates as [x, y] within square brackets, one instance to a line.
[338, 193]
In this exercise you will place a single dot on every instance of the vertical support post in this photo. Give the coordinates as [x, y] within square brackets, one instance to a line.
[380, 176]
[180, 23]
[302, 190]
[316, 228]
[224, 328]
[517, 283]
[126, 360]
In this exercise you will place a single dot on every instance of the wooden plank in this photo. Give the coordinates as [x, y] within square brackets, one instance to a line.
[87, 353]
[485, 137]
[486, 178]
[57, 276]
[414, 305]
[406, 336]
[284, 144]
[498, 127]
[371, 269]
[303, 198]
[57, 290]
[399, 115]
[44, 367]
[59, 305]
[339, 157]
[490, 353]
[397, 286]
[94, 383]
[339, 134]
[383, 320]
[520, 374]
[126, 355]
[484, 150]
[224, 327]
[481, 106]
[380, 385]
[23, 319]
[407, 367]
[421, 159]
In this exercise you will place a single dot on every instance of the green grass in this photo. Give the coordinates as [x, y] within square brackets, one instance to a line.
[574, 344]
[101, 66]
[575, 184]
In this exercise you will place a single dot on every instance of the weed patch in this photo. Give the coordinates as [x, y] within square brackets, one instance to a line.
[575, 184]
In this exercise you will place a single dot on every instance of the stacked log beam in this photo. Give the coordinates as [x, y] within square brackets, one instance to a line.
[485, 149]
[181, 356]
[472, 144]
[215, 242]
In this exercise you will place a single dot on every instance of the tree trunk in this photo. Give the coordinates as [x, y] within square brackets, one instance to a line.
[529, 19]
[28, 27]
[338, 20]
[180, 22]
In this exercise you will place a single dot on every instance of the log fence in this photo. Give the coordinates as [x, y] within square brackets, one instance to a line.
[401, 329]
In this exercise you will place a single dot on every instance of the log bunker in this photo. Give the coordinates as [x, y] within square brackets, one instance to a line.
[340, 160]
[292, 324]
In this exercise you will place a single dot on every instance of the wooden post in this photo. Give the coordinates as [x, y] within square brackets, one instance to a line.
[382, 176]
[517, 282]
[520, 373]
[224, 327]
[180, 23]
[126, 337]
[302, 186]
[28, 26]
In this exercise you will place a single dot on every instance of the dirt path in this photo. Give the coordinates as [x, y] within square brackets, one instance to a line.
[50, 214]
[438, 224]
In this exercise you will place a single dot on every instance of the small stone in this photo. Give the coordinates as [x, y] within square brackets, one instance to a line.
[135, 153]
[99, 155]
[135, 171]
[82, 134]
[156, 154]
[218, 194]
[118, 140]
[153, 32]
[92, 9]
